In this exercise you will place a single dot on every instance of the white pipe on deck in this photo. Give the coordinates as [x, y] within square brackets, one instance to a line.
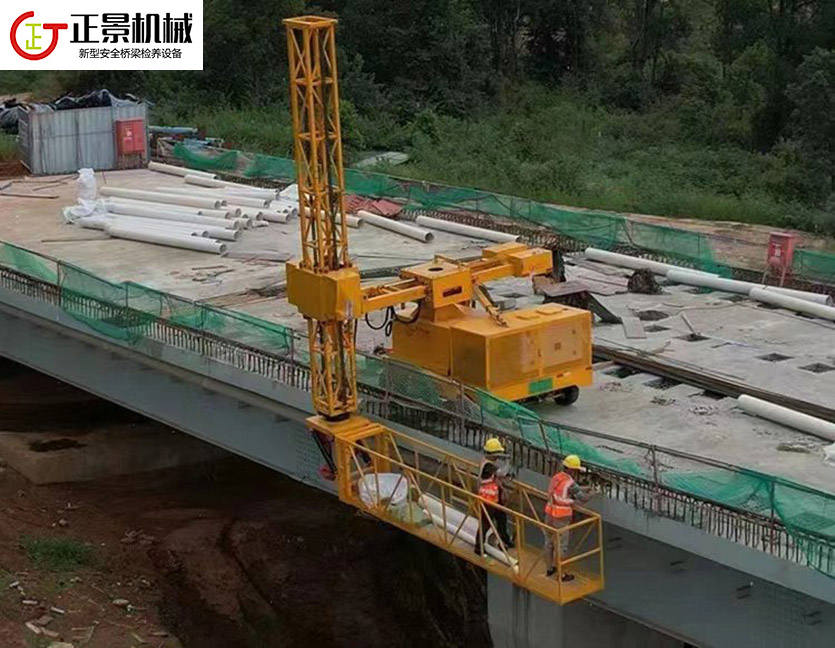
[466, 230]
[231, 198]
[170, 169]
[155, 196]
[181, 217]
[394, 226]
[817, 298]
[634, 263]
[709, 281]
[788, 417]
[183, 241]
[793, 303]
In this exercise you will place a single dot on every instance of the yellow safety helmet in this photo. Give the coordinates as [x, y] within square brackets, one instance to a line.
[573, 462]
[493, 445]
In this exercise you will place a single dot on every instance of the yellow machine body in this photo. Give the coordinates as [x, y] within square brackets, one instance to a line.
[539, 351]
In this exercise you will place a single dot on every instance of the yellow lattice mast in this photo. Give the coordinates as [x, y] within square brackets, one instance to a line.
[324, 285]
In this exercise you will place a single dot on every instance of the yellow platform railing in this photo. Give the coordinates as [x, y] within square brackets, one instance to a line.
[432, 494]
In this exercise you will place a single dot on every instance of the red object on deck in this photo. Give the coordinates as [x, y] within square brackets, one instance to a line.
[780, 254]
[130, 137]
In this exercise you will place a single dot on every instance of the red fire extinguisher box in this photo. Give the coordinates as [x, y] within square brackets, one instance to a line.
[130, 137]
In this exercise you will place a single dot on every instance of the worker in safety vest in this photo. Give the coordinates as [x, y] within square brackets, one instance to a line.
[493, 476]
[563, 492]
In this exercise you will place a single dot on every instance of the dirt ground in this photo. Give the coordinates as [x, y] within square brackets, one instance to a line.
[220, 555]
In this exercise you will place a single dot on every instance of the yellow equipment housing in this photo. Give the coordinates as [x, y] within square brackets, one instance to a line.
[516, 355]
[540, 351]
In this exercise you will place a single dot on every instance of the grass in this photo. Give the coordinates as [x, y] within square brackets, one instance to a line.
[57, 554]
[8, 147]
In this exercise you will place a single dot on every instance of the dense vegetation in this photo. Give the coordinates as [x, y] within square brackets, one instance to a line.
[706, 108]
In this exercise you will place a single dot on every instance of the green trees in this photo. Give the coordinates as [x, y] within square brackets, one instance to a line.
[813, 119]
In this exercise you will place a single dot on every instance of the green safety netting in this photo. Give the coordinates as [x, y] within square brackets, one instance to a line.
[27, 263]
[207, 159]
[597, 229]
[126, 312]
[814, 264]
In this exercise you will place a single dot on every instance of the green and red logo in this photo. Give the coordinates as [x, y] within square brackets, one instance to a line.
[32, 42]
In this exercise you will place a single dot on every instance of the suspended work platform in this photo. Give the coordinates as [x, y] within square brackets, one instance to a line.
[431, 494]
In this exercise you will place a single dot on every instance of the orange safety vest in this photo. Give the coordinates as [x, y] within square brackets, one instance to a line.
[560, 503]
[489, 490]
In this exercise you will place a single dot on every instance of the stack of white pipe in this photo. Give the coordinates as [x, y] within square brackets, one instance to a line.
[192, 229]
[114, 207]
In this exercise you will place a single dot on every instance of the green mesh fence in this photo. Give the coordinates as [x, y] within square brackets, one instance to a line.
[207, 159]
[27, 263]
[815, 265]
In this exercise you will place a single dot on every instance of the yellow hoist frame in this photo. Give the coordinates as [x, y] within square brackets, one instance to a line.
[408, 483]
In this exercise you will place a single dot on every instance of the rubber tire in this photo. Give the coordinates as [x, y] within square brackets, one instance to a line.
[567, 396]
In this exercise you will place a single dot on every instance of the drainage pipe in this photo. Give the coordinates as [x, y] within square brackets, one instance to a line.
[170, 169]
[155, 196]
[634, 263]
[788, 417]
[709, 281]
[793, 303]
[150, 213]
[817, 298]
[209, 231]
[183, 241]
[395, 226]
[466, 230]
[354, 221]
[275, 217]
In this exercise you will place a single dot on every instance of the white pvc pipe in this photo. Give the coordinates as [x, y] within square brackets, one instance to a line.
[788, 417]
[223, 184]
[183, 241]
[170, 169]
[709, 281]
[230, 197]
[155, 196]
[354, 221]
[275, 217]
[817, 298]
[465, 230]
[395, 226]
[793, 303]
[146, 212]
[634, 263]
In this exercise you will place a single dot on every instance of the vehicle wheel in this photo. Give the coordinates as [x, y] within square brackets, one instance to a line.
[567, 396]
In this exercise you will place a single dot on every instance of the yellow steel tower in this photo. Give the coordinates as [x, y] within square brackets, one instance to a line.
[324, 285]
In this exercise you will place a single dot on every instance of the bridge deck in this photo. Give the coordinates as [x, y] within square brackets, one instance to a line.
[682, 418]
